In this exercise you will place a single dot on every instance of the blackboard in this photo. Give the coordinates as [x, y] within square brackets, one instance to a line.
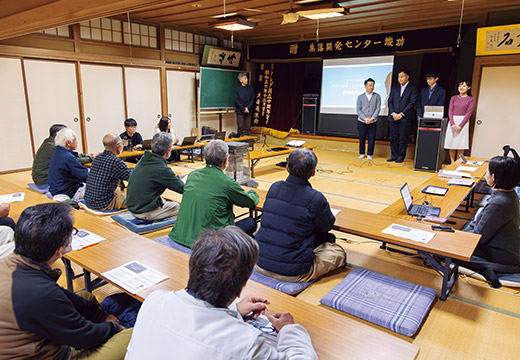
[217, 87]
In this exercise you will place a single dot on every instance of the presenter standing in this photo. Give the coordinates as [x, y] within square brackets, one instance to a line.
[433, 95]
[367, 107]
[401, 105]
[244, 99]
[460, 109]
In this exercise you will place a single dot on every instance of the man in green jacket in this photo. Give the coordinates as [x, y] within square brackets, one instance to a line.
[209, 196]
[40, 168]
[149, 179]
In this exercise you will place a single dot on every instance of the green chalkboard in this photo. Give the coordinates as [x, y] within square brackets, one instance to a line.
[217, 87]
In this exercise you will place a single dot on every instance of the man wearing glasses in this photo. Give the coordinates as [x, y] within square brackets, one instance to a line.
[41, 319]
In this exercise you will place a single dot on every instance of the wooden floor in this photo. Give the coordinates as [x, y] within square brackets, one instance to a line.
[476, 322]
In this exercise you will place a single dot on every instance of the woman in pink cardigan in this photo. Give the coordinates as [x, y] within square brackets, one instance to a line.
[460, 110]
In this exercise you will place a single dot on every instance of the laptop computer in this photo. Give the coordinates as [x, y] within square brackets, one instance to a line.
[147, 144]
[221, 135]
[417, 210]
[188, 140]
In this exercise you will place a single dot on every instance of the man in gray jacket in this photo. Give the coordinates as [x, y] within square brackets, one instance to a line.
[368, 106]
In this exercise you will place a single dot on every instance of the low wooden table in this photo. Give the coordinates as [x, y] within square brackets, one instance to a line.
[449, 202]
[258, 154]
[453, 247]
[334, 335]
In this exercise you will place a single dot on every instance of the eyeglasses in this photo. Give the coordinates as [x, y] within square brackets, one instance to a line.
[74, 231]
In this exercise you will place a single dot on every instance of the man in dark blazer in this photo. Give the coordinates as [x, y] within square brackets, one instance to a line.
[401, 106]
[433, 95]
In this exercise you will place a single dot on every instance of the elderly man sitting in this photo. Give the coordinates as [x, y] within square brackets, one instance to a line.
[209, 196]
[150, 178]
[295, 245]
[102, 192]
[40, 166]
[66, 174]
[38, 318]
[203, 321]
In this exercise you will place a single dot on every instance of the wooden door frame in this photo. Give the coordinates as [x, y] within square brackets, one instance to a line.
[480, 63]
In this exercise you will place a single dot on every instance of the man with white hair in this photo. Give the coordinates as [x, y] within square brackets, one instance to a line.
[208, 199]
[66, 174]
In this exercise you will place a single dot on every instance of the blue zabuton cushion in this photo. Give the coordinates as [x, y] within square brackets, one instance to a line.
[391, 303]
[127, 220]
[286, 287]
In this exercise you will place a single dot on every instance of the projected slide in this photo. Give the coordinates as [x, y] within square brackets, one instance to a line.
[342, 82]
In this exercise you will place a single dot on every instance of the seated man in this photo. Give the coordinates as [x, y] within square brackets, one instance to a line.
[203, 321]
[209, 196]
[499, 221]
[38, 318]
[150, 178]
[295, 245]
[66, 174]
[101, 190]
[40, 167]
[6, 231]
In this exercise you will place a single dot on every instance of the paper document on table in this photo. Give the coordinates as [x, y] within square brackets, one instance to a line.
[184, 179]
[451, 174]
[85, 238]
[9, 198]
[335, 212]
[461, 182]
[409, 233]
[134, 277]
[467, 168]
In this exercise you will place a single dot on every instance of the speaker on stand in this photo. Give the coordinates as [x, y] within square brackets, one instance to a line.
[309, 113]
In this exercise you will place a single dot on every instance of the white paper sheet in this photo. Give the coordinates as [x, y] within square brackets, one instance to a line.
[335, 212]
[85, 238]
[467, 168]
[9, 198]
[134, 276]
[461, 182]
[478, 163]
[409, 233]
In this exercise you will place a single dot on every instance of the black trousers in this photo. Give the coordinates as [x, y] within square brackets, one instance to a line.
[367, 131]
[399, 134]
[244, 123]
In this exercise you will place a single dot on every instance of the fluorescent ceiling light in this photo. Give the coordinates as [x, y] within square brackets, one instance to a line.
[234, 23]
[322, 13]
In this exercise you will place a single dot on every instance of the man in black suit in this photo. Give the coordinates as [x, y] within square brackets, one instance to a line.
[433, 95]
[401, 105]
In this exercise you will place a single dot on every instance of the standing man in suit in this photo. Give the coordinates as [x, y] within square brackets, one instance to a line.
[367, 107]
[401, 105]
[244, 99]
[433, 95]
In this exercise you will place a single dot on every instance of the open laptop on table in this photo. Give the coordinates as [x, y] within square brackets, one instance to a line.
[188, 140]
[221, 135]
[417, 210]
[147, 144]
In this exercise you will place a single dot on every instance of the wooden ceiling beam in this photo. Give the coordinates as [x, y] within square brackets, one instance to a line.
[43, 15]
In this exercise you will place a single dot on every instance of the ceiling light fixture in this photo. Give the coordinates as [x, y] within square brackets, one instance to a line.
[235, 23]
[322, 13]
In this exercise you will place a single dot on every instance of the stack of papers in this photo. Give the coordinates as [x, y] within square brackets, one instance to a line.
[461, 182]
[85, 238]
[9, 198]
[467, 168]
[295, 143]
[134, 277]
[409, 233]
[453, 174]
